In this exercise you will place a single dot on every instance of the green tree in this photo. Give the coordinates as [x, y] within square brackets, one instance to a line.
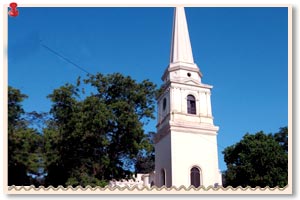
[96, 137]
[145, 160]
[257, 160]
[15, 109]
[282, 138]
[60, 145]
[24, 143]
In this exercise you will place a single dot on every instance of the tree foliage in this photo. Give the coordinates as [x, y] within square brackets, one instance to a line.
[258, 160]
[96, 137]
[15, 109]
[282, 138]
[145, 160]
[24, 143]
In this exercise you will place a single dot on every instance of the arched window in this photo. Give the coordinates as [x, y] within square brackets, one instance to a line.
[191, 104]
[164, 104]
[195, 177]
[163, 177]
[152, 183]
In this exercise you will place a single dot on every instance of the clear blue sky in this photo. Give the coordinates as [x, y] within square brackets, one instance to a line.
[242, 52]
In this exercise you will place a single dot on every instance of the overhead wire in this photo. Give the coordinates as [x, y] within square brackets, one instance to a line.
[64, 58]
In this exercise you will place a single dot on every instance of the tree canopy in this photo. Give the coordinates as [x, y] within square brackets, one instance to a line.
[15, 109]
[258, 160]
[24, 143]
[96, 137]
[145, 160]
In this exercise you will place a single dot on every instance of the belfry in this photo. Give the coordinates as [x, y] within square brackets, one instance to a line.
[186, 142]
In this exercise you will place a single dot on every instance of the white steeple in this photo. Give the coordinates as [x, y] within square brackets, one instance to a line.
[181, 55]
[181, 50]
[186, 151]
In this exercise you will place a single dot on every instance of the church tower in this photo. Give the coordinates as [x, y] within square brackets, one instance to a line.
[186, 141]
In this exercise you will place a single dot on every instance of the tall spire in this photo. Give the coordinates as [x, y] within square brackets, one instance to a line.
[181, 56]
[181, 50]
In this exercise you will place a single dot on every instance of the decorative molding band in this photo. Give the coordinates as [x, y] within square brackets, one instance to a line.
[181, 65]
[167, 116]
[200, 85]
[161, 133]
[191, 128]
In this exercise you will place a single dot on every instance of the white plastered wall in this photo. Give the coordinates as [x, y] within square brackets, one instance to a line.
[192, 149]
[163, 160]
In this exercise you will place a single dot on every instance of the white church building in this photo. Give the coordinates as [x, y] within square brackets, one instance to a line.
[186, 141]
